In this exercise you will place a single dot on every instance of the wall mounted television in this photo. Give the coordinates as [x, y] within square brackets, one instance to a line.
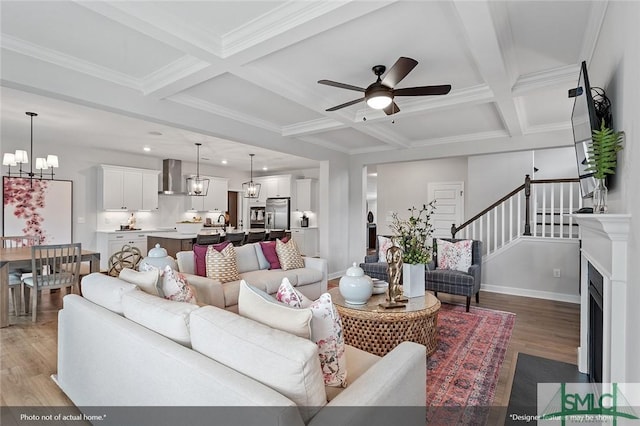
[583, 121]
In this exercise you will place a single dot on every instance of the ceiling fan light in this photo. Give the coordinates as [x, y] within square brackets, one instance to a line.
[379, 101]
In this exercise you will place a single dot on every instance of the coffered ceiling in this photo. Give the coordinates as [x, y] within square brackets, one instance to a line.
[242, 75]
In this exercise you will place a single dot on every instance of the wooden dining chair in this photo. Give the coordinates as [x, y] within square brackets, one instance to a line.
[276, 234]
[53, 267]
[18, 241]
[207, 239]
[15, 274]
[255, 236]
[236, 238]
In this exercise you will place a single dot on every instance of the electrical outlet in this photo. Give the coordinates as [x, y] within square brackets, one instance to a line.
[556, 273]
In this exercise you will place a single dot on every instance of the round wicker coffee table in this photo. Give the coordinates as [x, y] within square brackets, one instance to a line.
[377, 330]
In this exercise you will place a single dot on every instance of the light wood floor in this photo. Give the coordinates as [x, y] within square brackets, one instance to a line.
[28, 351]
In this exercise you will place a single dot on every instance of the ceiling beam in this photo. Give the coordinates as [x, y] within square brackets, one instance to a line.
[484, 46]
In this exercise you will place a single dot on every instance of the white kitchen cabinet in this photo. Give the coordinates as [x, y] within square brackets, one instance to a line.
[270, 187]
[150, 189]
[307, 240]
[216, 198]
[282, 186]
[306, 195]
[125, 188]
[277, 186]
[112, 182]
[112, 242]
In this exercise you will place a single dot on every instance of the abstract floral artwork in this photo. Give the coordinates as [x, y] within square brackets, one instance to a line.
[37, 207]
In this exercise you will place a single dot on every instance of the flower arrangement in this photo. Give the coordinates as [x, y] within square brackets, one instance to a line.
[413, 233]
[602, 151]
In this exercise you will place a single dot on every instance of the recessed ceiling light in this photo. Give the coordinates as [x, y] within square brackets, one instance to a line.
[224, 161]
[155, 133]
[146, 149]
[265, 168]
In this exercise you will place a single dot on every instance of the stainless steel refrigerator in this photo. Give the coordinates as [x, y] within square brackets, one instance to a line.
[277, 213]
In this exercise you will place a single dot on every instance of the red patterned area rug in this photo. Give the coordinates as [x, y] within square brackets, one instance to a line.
[463, 371]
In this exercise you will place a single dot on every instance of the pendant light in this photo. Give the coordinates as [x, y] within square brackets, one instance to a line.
[197, 186]
[21, 157]
[251, 189]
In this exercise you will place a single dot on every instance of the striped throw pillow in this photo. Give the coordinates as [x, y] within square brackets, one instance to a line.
[288, 255]
[221, 265]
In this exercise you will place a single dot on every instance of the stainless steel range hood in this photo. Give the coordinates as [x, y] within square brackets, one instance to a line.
[172, 177]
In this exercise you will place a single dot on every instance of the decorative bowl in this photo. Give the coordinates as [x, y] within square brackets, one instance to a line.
[379, 286]
[189, 227]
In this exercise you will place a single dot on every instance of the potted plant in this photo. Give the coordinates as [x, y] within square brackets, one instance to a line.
[601, 160]
[412, 235]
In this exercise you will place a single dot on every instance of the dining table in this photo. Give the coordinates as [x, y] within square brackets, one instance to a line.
[20, 257]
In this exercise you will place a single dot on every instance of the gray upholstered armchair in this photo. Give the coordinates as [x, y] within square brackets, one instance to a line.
[456, 282]
[374, 267]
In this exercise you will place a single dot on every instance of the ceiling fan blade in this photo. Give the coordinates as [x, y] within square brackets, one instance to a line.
[341, 85]
[391, 109]
[423, 90]
[346, 104]
[398, 71]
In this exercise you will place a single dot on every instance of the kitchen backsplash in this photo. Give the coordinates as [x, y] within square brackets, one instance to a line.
[171, 209]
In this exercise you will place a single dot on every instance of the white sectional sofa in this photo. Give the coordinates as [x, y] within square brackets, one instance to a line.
[120, 347]
[310, 280]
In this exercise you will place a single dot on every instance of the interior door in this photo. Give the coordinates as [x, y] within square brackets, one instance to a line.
[232, 205]
[449, 205]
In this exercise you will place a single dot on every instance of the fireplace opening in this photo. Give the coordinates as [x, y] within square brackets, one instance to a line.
[594, 333]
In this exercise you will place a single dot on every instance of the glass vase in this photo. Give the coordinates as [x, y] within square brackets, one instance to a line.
[600, 197]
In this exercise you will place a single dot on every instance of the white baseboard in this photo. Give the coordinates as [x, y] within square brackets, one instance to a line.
[525, 292]
[334, 275]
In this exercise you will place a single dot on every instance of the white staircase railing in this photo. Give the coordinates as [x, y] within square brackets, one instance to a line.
[546, 201]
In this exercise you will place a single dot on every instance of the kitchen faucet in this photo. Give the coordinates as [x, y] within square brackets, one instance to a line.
[220, 216]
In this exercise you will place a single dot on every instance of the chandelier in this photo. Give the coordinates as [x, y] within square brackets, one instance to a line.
[21, 157]
[197, 186]
[251, 189]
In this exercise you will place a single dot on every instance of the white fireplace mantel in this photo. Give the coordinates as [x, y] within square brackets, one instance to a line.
[604, 245]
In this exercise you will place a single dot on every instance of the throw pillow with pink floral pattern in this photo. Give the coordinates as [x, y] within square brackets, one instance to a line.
[288, 295]
[456, 256]
[176, 288]
[326, 332]
[384, 244]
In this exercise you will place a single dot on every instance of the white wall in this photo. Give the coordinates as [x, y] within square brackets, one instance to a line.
[335, 214]
[557, 163]
[615, 66]
[404, 185]
[526, 269]
[493, 176]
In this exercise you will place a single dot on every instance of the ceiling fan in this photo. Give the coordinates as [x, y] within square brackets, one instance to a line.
[379, 95]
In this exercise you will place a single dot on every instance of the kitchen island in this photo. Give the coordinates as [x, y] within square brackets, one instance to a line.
[174, 242]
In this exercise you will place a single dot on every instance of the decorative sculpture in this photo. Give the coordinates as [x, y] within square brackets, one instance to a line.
[394, 271]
